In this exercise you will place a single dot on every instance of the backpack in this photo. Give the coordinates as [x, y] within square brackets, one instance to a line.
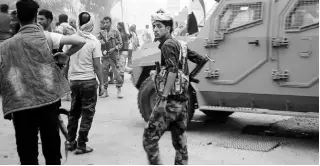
[182, 81]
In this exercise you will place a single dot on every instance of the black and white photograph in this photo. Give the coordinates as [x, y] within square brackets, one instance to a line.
[159, 82]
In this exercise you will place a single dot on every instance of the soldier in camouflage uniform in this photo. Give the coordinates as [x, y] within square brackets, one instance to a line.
[112, 43]
[173, 116]
[170, 112]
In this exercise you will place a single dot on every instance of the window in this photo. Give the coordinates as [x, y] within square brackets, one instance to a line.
[305, 12]
[235, 15]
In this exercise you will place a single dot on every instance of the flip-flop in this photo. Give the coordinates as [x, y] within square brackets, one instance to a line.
[83, 150]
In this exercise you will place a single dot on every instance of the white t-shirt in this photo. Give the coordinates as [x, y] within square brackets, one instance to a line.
[81, 63]
[55, 39]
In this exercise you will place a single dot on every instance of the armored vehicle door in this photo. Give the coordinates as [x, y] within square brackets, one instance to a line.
[295, 44]
[238, 41]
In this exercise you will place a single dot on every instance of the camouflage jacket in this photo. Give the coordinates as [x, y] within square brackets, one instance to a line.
[170, 50]
[113, 38]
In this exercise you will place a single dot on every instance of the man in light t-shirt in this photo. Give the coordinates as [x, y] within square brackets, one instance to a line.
[146, 36]
[56, 40]
[85, 65]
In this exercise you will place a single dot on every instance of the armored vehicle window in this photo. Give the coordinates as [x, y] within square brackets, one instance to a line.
[304, 13]
[235, 15]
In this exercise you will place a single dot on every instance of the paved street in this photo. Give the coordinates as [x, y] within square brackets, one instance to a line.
[116, 137]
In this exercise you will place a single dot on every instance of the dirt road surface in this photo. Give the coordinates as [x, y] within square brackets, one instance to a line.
[116, 137]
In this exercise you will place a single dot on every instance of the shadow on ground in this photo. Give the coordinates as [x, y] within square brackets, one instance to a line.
[301, 128]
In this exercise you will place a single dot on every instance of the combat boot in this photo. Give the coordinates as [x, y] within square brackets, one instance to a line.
[119, 93]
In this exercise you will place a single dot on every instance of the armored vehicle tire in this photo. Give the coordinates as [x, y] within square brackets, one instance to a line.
[147, 98]
[220, 116]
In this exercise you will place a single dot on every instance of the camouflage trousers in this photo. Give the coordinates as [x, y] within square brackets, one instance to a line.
[174, 118]
[83, 103]
[118, 67]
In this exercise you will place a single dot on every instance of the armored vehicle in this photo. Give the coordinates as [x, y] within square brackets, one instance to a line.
[266, 60]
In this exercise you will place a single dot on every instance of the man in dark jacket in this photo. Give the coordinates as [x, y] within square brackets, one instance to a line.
[32, 86]
[5, 19]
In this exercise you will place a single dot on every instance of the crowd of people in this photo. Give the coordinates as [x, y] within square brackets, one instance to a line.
[67, 26]
[32, 55]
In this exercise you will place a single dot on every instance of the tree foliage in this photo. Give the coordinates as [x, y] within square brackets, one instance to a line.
[99, 7]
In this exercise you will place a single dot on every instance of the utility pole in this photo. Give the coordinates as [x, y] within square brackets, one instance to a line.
[127, 17]
[121, 9]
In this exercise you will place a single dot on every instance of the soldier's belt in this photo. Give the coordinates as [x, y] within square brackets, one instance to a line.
[180, 98]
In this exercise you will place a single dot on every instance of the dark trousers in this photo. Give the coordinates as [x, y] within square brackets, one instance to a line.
[83, 103]
[111, 74]
[27, 124]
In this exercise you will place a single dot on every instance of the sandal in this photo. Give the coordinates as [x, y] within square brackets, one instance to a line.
[83, 150]
[71, 146]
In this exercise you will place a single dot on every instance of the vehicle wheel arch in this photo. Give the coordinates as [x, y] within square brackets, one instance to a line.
[144, 75]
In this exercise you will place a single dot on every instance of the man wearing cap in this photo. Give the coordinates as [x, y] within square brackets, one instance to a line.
[170, 112]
